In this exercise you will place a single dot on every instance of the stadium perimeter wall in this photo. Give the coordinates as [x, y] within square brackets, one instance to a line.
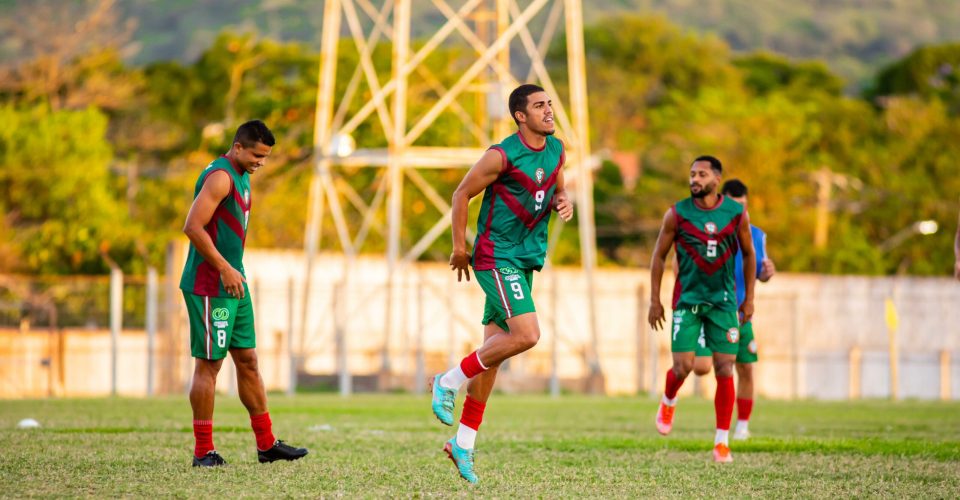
[826, 337]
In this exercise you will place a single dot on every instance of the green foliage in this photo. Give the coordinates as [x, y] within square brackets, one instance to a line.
[124, 145]
[931, 72]
[58, 191]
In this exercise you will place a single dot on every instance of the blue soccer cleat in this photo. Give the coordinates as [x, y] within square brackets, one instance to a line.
[443, 399]
[462, 458]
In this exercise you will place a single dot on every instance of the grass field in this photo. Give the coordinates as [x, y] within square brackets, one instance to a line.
[390, 445]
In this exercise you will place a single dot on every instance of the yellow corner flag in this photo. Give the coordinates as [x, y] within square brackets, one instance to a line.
[891, 313]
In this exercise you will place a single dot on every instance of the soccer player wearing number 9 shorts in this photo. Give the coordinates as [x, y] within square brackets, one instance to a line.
[522, 182]
[218, 300]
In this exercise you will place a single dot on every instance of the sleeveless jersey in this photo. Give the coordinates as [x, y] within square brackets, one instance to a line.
[512, 225]
[706, 246]
[227, 228]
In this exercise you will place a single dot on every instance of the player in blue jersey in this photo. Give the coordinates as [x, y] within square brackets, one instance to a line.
[747, 355]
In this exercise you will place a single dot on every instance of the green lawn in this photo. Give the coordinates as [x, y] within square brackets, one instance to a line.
[390, 445]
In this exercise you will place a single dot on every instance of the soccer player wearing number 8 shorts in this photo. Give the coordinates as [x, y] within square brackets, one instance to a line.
[218, 300]
[522, 182]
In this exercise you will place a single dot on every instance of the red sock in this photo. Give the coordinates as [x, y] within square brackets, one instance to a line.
[471, 365]
[744, 407]
[472, 413]
[203, 434]
[723, 402]
[263, 429]
[673, 385]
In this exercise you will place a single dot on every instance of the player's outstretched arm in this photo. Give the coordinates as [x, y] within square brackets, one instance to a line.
[749, 266]
[956, 251]
[215, 188]
[563, 205]
[481, 175]
[668, 233]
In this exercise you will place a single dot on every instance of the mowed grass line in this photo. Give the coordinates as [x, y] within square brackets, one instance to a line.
[390, 445]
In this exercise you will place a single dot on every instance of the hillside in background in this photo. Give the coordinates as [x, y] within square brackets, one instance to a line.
[854, 37]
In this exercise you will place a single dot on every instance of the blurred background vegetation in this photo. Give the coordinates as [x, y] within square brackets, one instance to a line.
[110, 109]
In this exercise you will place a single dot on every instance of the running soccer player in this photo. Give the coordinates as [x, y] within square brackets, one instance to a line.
[706, 229]
[522, 181]
[218, 300]
[747, 355]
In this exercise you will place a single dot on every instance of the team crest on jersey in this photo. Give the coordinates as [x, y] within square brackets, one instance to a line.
[710, 228]
[539, 175]
[733, 335]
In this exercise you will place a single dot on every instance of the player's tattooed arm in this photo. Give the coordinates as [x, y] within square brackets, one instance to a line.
[749, 266]
[481, 175]
[668, 233]
[215, 188]
[562, 203]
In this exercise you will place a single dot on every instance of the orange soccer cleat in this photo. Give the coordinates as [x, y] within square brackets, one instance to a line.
[665, 418]
[721, 453]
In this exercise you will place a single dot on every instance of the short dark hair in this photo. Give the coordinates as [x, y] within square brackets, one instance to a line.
[714, 163]
[518, 98]
[734, 188]
[252, 132]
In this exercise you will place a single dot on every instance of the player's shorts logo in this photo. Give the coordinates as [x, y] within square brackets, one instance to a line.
[752, 347]
[539, 175]
[508, 270]
[220, 314]
[733, 335]
[710, 228]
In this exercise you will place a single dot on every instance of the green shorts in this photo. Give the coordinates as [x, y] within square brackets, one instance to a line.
[508, 294]
[747, 353]
[218, 324]
[721, 329]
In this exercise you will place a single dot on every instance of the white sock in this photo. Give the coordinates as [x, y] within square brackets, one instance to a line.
[466, 437]
[742, 425]
[722, 437]
[669, 402]
[453, 379]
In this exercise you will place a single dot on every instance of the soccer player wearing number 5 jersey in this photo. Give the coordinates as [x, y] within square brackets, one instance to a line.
[748, 353]
[707, 229]
[522, 182]
[218, 301]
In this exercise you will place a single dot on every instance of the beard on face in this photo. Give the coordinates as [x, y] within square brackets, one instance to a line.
[704, 191]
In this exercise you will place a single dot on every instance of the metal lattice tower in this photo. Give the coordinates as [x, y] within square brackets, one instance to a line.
[493, 30]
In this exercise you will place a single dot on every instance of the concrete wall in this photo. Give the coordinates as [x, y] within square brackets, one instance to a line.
[809, 329]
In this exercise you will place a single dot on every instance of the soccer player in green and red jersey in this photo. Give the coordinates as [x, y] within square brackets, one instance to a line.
[707, 229]
[522, 181]
[218, 301]
[747, 356]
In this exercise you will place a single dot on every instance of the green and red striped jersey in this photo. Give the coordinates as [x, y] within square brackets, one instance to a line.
[227, 228]
[515, 213]
[706, 244]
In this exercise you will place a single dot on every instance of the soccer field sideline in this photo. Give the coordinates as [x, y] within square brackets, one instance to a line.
[390, 445]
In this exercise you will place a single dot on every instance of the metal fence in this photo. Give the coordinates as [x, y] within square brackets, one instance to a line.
[821, 337]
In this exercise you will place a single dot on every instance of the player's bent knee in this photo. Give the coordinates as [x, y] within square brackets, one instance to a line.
[246, 360]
